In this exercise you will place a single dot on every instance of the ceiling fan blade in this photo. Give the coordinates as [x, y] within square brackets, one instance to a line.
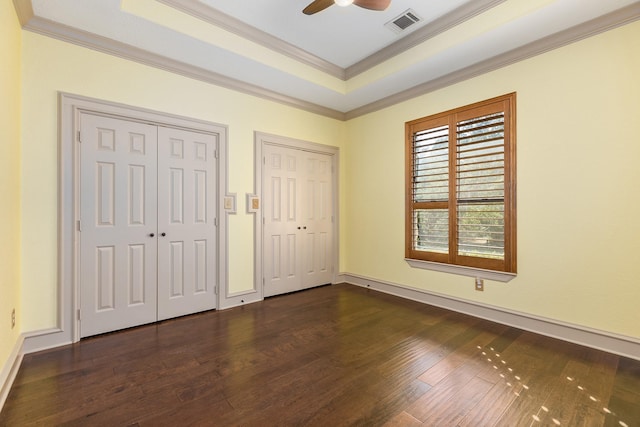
[317, 6]
[373, 4]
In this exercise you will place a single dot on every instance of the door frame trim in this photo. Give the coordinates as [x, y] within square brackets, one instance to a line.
[70, 106]
[260, 140]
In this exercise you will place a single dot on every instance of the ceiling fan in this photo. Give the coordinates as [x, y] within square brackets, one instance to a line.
[320, 5]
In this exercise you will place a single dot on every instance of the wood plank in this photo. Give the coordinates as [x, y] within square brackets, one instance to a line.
[336, 355]
[403, 420]
[623, 406]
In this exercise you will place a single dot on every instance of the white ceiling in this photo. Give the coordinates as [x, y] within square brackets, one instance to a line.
[340, 35]
[341, 62]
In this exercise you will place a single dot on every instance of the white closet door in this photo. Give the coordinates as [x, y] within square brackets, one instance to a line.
[297, 231]
[317, 219]
[281, 241]
[186, 222]
[118, 248]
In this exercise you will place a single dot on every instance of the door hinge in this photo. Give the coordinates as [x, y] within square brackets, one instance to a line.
[264, 160]
[79, 139]
[79, 225]
[215, 290]
[78, 314]
[215, 153]
[215, 222]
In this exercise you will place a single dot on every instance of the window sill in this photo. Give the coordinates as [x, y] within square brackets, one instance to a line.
[499, 276]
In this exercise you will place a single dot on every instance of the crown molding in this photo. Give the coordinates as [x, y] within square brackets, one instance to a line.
[579, 32]
[432, 29]
[106, 45]
[426, 32]
[219, 19]
[24, 10]
[65, 33]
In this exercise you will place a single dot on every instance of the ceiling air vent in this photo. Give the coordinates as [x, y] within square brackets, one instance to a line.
[404, 21]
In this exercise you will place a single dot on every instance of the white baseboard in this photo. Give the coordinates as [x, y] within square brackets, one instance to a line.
[28, 343]
[597, 339]
[44, 340]
[10, 370]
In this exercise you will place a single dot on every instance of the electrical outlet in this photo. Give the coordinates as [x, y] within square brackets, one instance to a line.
[479, 284]
[13, 318]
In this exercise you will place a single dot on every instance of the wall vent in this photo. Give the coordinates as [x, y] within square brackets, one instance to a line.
[402, 22]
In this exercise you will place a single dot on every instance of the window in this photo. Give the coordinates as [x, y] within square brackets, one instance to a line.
[460, 183]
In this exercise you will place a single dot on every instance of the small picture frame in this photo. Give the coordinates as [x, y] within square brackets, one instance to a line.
[230, 203]
[253, 203]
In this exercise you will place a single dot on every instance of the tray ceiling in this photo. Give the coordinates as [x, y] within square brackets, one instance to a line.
[342, 62]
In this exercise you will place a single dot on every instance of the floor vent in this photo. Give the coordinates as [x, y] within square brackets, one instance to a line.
[402, 22]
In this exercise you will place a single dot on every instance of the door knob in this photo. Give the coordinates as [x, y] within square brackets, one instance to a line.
[151, 235]
[163, 234]
[304, 228]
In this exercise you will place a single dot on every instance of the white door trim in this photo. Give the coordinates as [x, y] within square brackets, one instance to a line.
[260, 140]
[70, 106]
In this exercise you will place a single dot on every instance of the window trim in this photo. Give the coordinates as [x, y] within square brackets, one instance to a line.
[451, 261]
[461, 270]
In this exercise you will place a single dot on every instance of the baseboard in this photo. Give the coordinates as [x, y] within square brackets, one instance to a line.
[44, 340]
[577, 334]
[10, 370]
[28, 343]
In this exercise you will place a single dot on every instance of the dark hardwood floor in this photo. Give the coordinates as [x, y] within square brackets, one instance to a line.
[332, 356]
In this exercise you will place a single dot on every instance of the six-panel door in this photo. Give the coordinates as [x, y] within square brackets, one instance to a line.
[118, 210]
[148, 236]
[186, 222]
[297, 233]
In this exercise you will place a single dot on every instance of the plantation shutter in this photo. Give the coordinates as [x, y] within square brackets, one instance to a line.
[461, 186]
[431, 189]
[480, 186]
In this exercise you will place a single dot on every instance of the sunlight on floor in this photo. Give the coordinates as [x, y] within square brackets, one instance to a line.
[544, 413]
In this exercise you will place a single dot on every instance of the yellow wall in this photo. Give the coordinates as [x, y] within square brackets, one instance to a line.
[577, 145]
[10, 43]
[578, 177]
[51, 66]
